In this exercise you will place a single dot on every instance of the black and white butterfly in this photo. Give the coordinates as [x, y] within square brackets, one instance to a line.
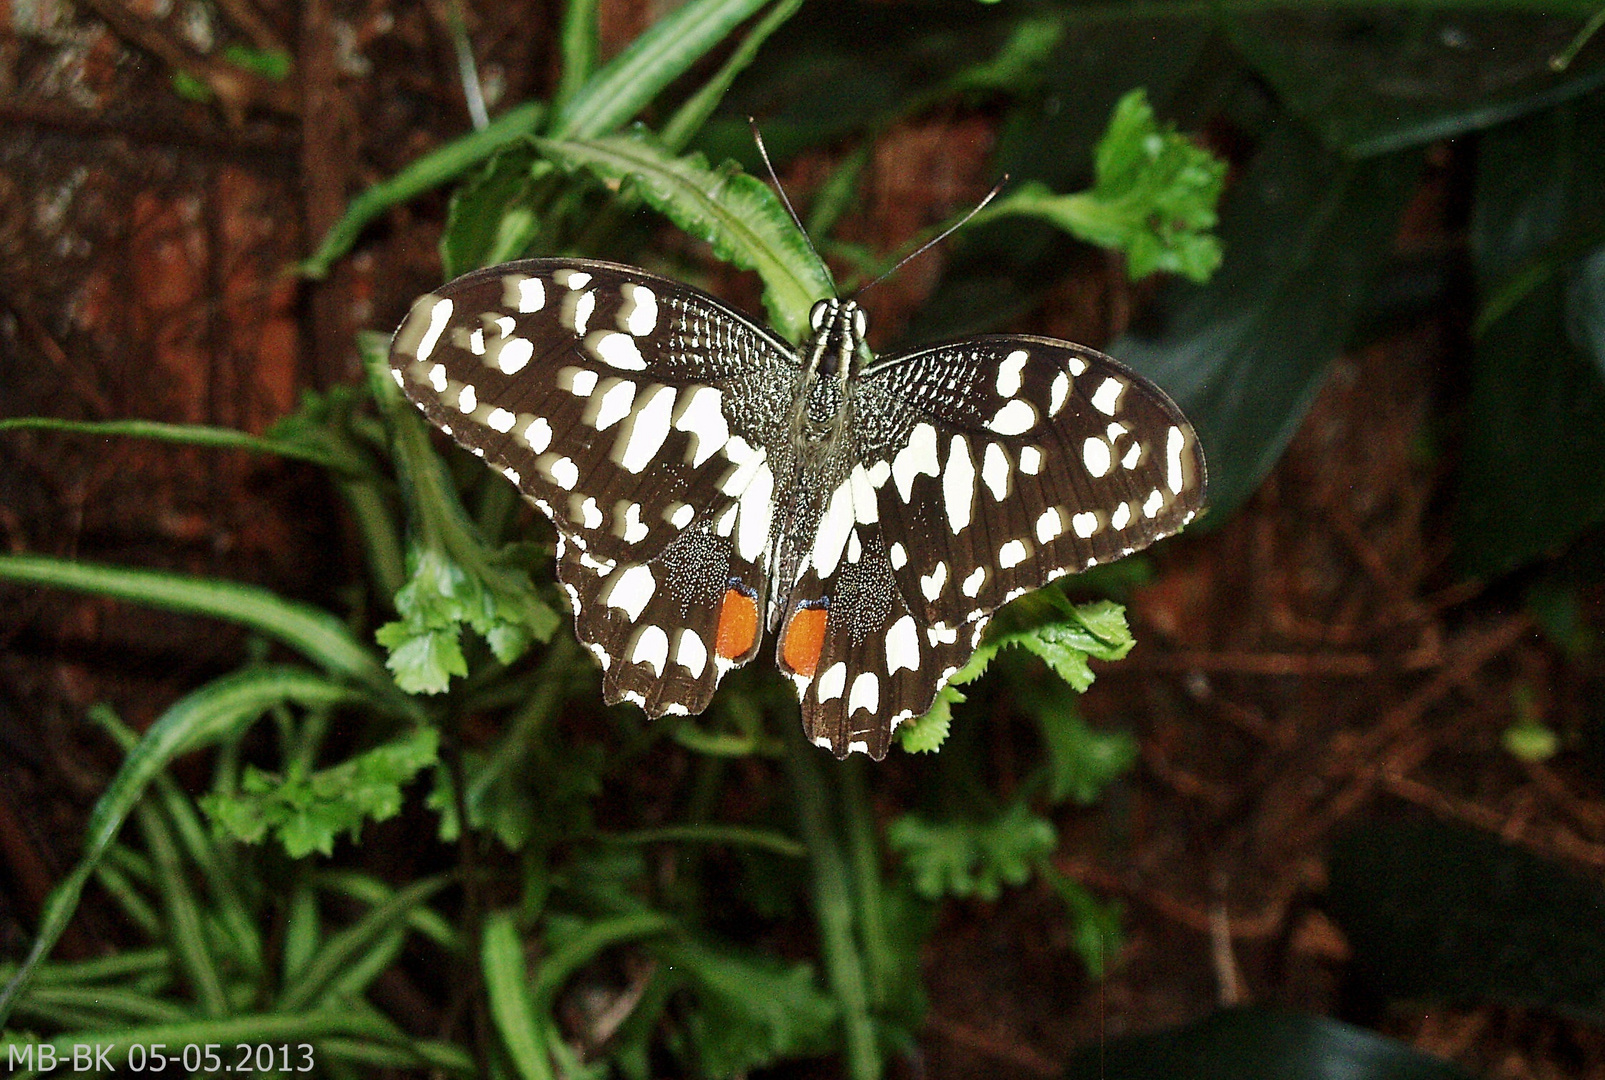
[709, 481]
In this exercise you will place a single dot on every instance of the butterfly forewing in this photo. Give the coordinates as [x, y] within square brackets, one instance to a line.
[649, 422]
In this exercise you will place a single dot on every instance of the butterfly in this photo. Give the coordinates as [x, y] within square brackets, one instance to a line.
[710, 482]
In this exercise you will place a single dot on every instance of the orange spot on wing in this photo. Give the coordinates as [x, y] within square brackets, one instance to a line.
[738, 625]
[805, 637]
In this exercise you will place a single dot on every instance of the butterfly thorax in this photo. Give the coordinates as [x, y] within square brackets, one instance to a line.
[832, 355]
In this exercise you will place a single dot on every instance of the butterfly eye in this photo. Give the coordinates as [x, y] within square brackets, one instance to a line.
[860, 324]
[817, 316]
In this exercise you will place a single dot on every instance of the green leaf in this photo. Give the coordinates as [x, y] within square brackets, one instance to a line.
[209, 715]
[1043, 623]
[322, 982]
[751, 1011]
[1082, 761]
[1049, 135]
[737, 214]
[1097, 933]
[439, 598]
[425, 174]
[971, 858]
[269, 63]
[316, 634]
[495, 215]
[1385, 78]
[195, 435]
[1154, 198]
[1254, 1043]
[668, 49]
[690, 116]
[1246, 354]
[1533, 477]
[501, 959]
[1443, 913]
[307, 812]
[842, 68]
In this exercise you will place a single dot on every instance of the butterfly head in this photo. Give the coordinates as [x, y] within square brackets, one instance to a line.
[838, 329]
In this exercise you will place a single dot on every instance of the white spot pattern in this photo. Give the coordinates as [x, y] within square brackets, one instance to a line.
[832, 683]
[630, 589]
[995, 471]
[958, 484]
[1095, 455]
[651, 647]
[616, 350]
[919, 456]
[649, 428]
[902, 646]
[1009, 372]
[866, 693]
[690, 653]
[614, 404]
[1106, 399]
[1015, 418]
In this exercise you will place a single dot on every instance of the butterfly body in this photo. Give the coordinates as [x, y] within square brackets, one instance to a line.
[709, 482]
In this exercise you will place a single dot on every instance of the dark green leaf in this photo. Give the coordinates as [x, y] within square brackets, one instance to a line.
[840, 67]
[1245, 355]
[202, 718]
[1441, 912]
[425, 174]
[1381, 79]
[1254, 1043]
[1534, 463]
[1049, 135]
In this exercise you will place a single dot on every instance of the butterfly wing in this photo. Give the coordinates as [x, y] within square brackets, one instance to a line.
[643, 417]
[983, 469]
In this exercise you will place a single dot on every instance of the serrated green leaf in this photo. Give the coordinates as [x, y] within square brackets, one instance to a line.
[1082, 761]
[1044, 624]
[737, 214]
[308, 812]
[969, 858]
[1154, 197]
[751, 1011]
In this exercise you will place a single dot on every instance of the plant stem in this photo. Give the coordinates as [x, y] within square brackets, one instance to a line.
[833, 907]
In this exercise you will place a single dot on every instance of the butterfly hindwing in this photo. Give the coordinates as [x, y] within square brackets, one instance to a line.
[648, 421]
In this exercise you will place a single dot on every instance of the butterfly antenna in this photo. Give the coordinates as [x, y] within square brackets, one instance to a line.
[763, 152]
[937, 239]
